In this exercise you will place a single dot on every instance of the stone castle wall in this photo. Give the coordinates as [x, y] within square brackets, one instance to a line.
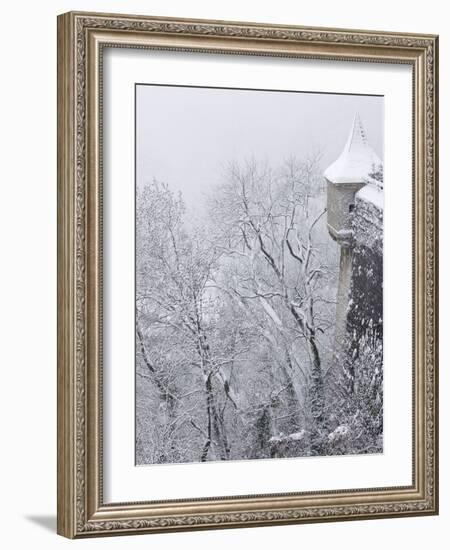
[366, 287]
[365, 298]
[359, 308]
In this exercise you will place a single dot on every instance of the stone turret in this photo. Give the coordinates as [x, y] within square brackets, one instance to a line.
[345, 177]
[348, 178]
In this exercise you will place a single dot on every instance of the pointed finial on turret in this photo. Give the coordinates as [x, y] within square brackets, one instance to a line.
[357, 159]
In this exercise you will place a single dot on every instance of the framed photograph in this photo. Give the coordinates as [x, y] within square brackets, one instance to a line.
[247, 282]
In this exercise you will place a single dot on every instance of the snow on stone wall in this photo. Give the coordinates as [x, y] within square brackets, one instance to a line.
[367, 220]
[365, 310]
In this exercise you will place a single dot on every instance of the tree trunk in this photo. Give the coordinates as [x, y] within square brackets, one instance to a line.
[317, 400]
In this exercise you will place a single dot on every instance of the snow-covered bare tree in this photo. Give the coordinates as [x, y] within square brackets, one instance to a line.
[182, 347]
[269, 226]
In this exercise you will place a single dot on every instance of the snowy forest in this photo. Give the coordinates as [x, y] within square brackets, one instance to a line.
[235, 316]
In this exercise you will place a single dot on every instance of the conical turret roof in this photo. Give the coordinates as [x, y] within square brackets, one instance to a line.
[357, 159]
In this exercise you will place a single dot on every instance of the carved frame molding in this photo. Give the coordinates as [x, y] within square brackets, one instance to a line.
[81, 37]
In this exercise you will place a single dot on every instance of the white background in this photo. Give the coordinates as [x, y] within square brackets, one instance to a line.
[28, 272]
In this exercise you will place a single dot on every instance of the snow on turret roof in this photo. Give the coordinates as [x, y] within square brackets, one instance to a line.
[373, 194]
[356, 161]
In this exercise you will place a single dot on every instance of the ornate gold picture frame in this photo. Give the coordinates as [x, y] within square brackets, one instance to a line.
[82, 41]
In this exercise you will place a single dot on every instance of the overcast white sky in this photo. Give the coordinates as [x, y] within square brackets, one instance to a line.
[185, 136]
